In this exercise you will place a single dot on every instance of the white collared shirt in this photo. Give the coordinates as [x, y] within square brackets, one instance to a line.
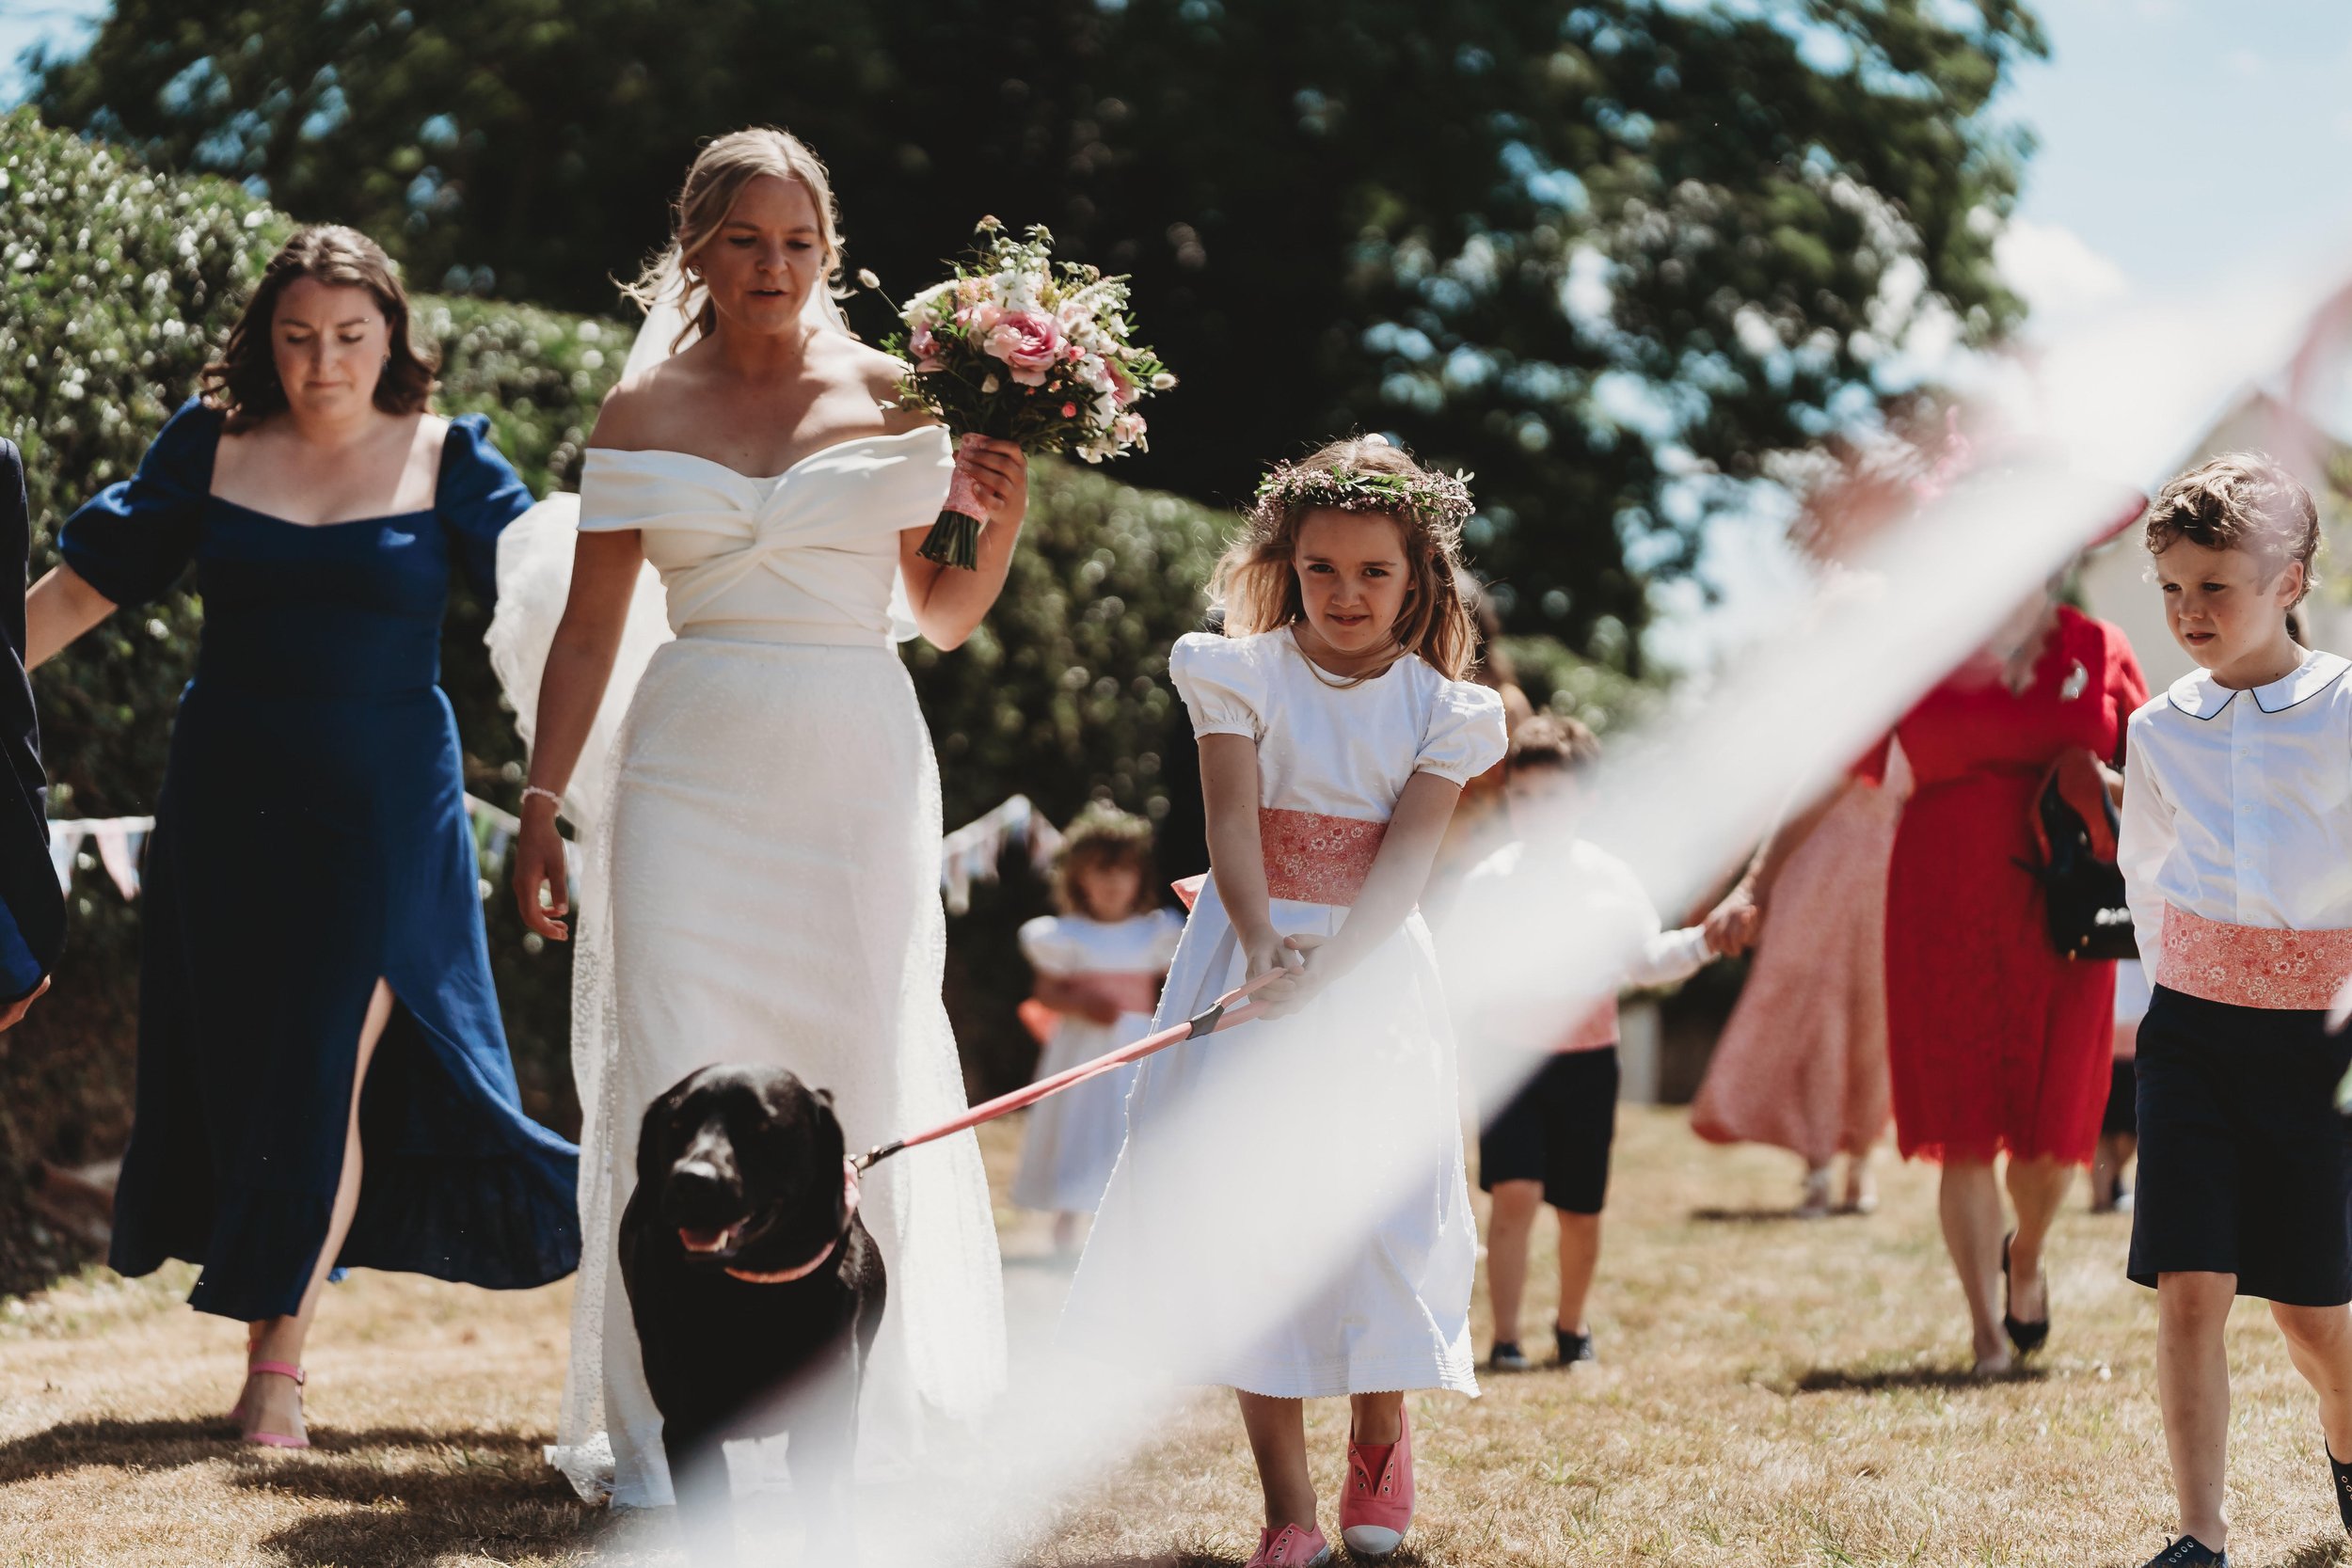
[1541, 937]
[2237, 805]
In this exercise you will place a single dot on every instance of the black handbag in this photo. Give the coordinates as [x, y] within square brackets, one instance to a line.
[2082, 895]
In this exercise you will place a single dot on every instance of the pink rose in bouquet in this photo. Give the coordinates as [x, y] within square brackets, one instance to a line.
[924, 346]
[1123, 390]
[1029, 342]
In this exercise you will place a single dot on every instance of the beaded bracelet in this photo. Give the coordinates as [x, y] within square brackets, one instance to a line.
[549, 794]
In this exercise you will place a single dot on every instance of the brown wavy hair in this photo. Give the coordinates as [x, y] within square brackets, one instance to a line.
[2241, 500]
[1257, 584]
[244, 380]
[1103, 835]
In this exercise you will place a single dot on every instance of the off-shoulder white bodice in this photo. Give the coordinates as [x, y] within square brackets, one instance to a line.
[810, 555]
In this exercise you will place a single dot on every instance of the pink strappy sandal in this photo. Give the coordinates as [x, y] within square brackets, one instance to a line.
[252, 1343]
[1293, 1547]
[1376, 1510]
[275, 1439]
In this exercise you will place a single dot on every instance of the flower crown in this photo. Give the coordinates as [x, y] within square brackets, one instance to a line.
[1441, 501]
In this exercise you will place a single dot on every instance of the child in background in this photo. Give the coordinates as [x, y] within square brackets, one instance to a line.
[1099, 966]
[1289, 1218]
[2119, 1133]
[2235, 848]
[1550, 1141]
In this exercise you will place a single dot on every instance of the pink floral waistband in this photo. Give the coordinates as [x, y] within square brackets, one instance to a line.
[2251, 966]
[1311, 859]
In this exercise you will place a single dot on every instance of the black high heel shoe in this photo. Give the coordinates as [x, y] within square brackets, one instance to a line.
[2027, 1338]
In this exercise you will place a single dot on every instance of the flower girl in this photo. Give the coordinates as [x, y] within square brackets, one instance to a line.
[1099, 966]
[1289, 1217]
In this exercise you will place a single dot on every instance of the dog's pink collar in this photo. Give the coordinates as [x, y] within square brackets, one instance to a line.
[785, 1277]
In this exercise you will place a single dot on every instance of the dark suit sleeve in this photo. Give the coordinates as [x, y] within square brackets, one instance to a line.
[32, 909]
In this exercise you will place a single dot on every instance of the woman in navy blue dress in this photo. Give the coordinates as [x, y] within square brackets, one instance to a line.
[323, 1079]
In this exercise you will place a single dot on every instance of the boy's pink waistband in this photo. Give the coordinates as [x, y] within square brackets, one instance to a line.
[1309, 857]
[2251, 966]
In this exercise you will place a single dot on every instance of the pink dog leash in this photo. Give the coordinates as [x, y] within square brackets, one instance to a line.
[1220, 1014]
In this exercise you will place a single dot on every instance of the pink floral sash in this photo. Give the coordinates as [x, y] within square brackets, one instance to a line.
[1311, 859]
[2251, 966]
[1595, 1031]
[1308, 859]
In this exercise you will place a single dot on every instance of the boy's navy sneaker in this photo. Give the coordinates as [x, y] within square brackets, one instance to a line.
[1574, 1347]
[2188, 1552]
[1507, 1357]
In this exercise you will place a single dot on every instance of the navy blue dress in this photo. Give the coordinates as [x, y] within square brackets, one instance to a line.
[310, 836]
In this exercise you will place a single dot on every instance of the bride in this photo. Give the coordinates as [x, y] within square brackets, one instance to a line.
[760, 881]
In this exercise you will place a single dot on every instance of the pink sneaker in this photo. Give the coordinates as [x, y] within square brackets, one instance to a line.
[1376, 1510]
[1292, 1547]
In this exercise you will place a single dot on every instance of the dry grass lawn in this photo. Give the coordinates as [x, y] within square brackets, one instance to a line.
[1769, 1392]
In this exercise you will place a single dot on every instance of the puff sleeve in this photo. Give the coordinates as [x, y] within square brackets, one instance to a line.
[132, 539]
[1465, 736]
[1048, 946]
[1223, 685]
[479, 494]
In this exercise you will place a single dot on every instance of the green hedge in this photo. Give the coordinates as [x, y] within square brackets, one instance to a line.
[116, 284]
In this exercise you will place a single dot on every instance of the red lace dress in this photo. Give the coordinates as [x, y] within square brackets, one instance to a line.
[1995, 1041]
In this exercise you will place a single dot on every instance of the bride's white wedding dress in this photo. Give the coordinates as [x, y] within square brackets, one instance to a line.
[764, 887]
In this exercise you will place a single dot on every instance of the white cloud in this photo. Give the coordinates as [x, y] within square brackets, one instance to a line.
[2057, 273]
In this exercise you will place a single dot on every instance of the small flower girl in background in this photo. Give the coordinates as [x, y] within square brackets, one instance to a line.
[1099, 966]
[1289, 1217]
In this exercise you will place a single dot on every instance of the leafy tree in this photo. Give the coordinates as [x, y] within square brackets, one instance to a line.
[1609, 255]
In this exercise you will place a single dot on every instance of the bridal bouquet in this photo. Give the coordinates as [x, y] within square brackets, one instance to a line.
[1017, 347]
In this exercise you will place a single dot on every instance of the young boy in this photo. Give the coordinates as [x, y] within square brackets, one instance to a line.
[1550, 1141]
[2236, 851]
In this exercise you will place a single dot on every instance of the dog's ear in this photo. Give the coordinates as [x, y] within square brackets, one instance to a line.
[824, 1096]
[655, 1151]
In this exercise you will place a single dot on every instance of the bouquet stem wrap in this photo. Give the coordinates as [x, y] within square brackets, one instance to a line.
[955, 538]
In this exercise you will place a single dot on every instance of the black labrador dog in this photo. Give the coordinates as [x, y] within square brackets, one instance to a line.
[756, 1291]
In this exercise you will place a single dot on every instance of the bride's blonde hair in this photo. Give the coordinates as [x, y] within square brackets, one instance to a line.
[719, 174]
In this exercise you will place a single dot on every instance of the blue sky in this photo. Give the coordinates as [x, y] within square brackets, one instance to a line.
[25, 23]
[2180, 137]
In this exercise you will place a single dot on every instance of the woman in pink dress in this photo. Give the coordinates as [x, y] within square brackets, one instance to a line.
[1801, 1064]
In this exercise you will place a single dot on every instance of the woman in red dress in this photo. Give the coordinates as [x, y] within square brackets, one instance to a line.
[1998, 1044]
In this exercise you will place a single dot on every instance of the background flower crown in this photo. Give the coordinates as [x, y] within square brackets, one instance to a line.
[1441, 501]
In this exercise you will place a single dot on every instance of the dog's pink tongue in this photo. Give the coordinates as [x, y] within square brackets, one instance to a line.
[702, 1241]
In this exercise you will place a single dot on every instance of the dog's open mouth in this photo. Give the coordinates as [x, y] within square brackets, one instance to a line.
[713, 1243]
[722, 1245]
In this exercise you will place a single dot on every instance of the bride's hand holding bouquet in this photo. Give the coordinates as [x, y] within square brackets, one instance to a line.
[1018, 349]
